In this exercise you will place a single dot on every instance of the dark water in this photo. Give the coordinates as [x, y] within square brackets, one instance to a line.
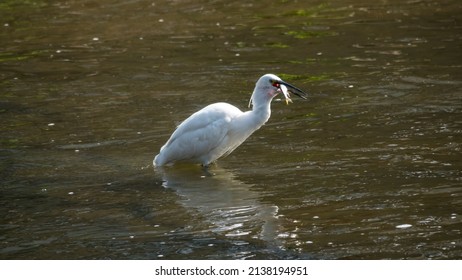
[368, 168]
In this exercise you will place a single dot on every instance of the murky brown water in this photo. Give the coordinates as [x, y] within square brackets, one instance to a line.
[368, 168]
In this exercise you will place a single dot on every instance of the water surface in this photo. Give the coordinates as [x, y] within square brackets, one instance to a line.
[368, 168]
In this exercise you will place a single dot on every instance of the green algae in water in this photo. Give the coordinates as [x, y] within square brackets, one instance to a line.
[303, 78]
[9, 56]
[309, 12]
[11, 4]
[323, 10]
[10, 143]
[277, 45]
[309, 34]
[269, 27]
[18, 11]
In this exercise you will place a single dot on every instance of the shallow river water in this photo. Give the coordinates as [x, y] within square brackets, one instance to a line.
[369, 167]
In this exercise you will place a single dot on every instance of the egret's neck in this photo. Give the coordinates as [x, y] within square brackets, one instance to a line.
[261, 112]
[252, 120]
[261, 109]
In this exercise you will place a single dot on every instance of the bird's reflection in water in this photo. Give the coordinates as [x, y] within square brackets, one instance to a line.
[229, 206]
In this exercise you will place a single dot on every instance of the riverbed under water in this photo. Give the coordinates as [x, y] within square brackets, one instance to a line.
[369, 167]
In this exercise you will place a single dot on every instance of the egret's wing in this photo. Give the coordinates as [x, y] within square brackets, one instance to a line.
[203, 119]
[201, 133]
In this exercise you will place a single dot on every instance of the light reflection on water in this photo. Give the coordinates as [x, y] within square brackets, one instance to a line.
[228, 204]
[368, 167]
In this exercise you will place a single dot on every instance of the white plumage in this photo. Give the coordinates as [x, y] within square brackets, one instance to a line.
[219, 128]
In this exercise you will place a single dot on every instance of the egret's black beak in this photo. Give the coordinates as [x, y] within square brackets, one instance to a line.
[295, 90]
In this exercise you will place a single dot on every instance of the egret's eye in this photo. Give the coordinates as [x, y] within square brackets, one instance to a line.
[274, 83]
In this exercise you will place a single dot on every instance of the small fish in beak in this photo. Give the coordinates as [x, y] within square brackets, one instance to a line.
[286, 94]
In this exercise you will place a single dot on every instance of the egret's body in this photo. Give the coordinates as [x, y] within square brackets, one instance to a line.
[219, 128]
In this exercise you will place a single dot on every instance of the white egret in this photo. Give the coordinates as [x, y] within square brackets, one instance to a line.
[219, 128]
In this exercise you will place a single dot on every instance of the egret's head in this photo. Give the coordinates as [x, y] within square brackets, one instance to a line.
[270, 85]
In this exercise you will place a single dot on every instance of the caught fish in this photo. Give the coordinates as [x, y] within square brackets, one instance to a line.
[286, 94]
